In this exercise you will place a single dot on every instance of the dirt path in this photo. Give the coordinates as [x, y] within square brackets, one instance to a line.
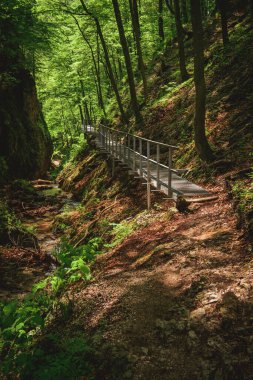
[173, 301]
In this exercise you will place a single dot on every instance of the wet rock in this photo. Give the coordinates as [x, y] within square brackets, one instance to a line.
[198, 313]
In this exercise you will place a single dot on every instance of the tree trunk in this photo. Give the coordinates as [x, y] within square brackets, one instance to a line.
[160, 20]
[184, 11]
[128, 62]
[222, 7]
[120, 69]
[108, 62]
[96, 67]
[137, 35]
[251, 7]
[99, 78]
[86, 109]
[180, 39]
[81, 113]
[201, 143]
[170, 8]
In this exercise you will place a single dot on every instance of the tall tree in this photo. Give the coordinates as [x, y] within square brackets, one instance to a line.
[95, 64]
[251, 7]
[223, 9]
[201, 142]
[160, 20]
[128, 62]
[180, 39]
[137, 36]
[184, 11]
[107, 60]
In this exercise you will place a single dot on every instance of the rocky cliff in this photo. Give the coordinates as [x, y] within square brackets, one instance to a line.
[25, 143]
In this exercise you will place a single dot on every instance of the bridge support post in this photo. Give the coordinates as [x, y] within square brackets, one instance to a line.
[158, 184]
[148, 177]
[170, 174]
[113, 166]
[140, 151]
[134, 153]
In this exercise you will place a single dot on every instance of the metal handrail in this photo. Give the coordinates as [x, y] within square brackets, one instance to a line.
[118, 145]
[140, 137]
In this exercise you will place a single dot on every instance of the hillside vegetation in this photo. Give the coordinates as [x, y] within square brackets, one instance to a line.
[93, 285]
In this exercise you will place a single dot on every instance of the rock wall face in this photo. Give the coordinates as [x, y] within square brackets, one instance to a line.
[25, 143]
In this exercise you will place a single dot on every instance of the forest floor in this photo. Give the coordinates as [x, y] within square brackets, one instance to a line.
[175, 299]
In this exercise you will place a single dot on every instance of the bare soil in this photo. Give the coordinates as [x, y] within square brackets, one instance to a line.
[174, 300]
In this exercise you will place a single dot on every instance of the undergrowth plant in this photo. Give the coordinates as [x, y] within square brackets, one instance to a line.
[119, 232]
[23, 324]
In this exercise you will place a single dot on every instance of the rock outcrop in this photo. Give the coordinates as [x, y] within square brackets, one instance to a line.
[25, 143]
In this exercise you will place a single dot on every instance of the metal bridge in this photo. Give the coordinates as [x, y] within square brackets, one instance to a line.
[143, 157]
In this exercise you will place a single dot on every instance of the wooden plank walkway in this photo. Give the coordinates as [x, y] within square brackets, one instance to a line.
[134, 153]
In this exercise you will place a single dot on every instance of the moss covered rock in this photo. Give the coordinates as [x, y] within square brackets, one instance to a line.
[25, 143]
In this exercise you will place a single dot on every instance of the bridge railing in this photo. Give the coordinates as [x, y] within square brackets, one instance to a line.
[141, 155]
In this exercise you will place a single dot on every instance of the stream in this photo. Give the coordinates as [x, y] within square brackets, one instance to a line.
[20, 266]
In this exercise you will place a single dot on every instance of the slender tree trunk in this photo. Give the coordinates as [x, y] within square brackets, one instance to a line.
[99, 78]
[180, 39]
[114, 65]
[96, 86]
[222, 7]
[137, 35]
[110, 72]
[160, 20]
[87, 112]
[108, 62]
[201, 143]
[203, 8]
[169, 6]
[120, 68]
[184, 11]
[86, 109]
[128, 62]
[251, 7]
[96, 67]
[81, 113]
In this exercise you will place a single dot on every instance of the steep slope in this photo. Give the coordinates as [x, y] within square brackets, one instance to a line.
[172, 293]
[229, 78]
[171, 296]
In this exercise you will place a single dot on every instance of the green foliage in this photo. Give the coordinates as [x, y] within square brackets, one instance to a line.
[23, 186]
[67, 80]
[243, 192]
[74, 265]
[22, 33]
[53, 357]
[74, 262]
[119, 232]
[19, 323]
[57, 358]
[8, 221]
[11, 228]
[22, 322]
